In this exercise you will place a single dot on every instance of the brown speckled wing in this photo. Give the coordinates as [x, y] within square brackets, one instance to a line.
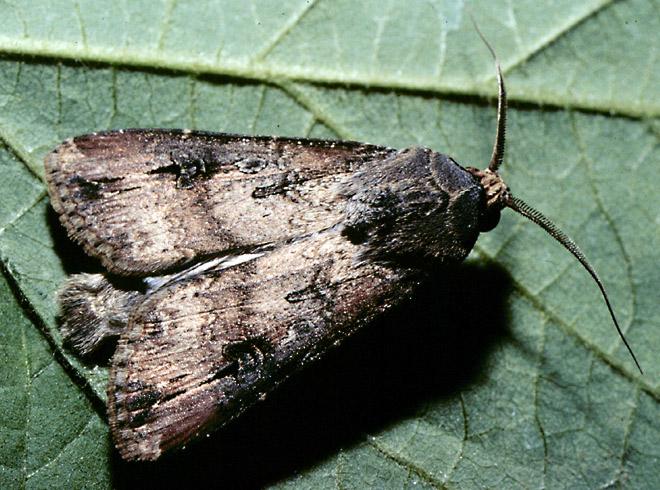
[148, 201]
[198, 352]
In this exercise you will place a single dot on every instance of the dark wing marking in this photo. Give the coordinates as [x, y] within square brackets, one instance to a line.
[148, 201]
[196, 353]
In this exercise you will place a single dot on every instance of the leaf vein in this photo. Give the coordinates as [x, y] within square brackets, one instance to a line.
[280, 35]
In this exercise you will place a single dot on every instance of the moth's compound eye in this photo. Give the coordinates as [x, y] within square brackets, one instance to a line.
[489, 220]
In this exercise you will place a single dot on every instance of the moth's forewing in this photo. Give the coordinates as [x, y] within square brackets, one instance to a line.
[198, 352]
[148, 201]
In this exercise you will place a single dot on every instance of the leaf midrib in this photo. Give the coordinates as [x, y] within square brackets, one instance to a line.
[257, 68]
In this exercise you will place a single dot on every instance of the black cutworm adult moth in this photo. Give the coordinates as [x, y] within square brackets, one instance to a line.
[255, 255]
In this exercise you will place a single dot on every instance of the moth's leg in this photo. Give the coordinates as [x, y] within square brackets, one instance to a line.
[93, 310]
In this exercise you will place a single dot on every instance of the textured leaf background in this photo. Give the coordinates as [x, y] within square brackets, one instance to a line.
[506, 373]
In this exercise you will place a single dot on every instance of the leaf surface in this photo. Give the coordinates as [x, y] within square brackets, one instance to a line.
[508, 375]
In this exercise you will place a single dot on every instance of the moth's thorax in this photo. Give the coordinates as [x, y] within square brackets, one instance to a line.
[415, 204]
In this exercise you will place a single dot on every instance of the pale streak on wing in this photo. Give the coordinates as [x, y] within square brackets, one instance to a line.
[174, 380]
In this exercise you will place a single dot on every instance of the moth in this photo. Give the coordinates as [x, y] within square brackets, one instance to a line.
[250, 257]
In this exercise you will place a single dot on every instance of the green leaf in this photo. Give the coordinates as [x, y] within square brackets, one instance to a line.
[496, 379]
[50, 436]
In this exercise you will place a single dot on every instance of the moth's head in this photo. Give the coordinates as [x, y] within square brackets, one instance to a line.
[497, 195]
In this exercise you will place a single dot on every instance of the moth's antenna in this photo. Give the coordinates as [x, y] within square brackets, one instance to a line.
[520, 207]
[499, 196]
[500, 137]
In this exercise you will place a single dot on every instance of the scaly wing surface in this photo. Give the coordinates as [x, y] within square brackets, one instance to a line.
[148, 201]
[199, 351]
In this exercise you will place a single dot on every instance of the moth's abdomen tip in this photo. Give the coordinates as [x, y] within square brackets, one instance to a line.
[93, 311]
